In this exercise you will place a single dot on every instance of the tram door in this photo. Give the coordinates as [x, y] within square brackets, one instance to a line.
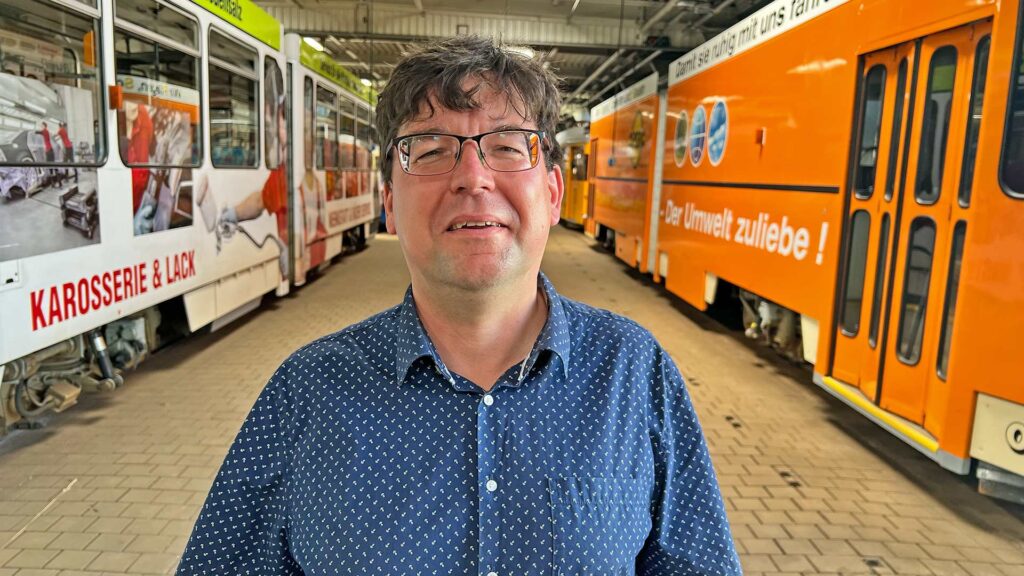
[907, 223]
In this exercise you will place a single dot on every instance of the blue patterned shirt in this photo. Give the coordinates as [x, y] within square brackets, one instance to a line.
[365, 455]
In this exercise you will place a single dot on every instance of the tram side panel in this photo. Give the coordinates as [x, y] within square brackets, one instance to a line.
[115, 202]
[979, 407]
[622, 150]
[332, 178]
[753, 173]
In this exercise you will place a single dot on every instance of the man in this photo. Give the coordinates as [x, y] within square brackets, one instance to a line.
[486, 425]
[47, 144]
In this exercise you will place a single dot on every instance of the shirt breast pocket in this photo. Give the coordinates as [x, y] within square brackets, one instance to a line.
[598, 525]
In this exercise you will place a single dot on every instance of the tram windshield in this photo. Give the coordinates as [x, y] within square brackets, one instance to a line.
[50, 102]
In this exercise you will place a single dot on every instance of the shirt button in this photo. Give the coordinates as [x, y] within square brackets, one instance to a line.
[488, 399]
[492, 485]
[492, 574]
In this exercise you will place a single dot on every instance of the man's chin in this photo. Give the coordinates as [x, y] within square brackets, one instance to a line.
[476, 276]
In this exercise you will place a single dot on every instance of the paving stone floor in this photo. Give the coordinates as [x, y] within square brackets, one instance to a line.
[113, 485]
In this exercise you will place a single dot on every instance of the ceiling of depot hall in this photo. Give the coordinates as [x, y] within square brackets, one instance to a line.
[597, 47]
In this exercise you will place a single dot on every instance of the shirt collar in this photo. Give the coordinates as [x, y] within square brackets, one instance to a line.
[413, 342]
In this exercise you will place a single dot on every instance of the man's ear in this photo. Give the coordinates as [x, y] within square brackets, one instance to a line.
[556, 190]
[389, 208]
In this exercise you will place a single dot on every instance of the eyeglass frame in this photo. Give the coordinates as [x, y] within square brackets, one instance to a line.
[462, 141]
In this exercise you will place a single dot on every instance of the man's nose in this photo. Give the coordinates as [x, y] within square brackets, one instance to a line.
[471, 174]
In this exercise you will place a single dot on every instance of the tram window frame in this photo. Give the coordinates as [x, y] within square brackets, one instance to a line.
[881, 265]
[121, 15]
[579, 163]
[347, 126]
[864, 184]
[956, 259]
[127, 29]
[979, 80]
[896, 138]
[856, 259]
[918, 223]
[1014, 117]
[362, 139]
[234, 72]
[279, 106]
[308, 131]
[320, 155]
[929, 127]
[89, 14]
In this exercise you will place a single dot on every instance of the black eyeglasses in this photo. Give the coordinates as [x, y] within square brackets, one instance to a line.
[502, 151]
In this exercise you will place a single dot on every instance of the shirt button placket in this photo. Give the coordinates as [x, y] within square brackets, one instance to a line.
[488, 433]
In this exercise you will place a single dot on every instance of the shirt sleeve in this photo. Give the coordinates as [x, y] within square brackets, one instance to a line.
[242, 528]
[689, 529]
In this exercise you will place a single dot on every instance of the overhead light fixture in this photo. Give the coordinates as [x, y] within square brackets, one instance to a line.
[313, 43]
[366, 81]
[351, 54]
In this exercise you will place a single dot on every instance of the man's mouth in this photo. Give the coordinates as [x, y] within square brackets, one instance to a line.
[474, 225]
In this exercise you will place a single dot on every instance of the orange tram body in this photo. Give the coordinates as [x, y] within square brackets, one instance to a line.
[860, 164]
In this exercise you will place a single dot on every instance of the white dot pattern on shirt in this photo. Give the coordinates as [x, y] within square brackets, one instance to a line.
[365, 455]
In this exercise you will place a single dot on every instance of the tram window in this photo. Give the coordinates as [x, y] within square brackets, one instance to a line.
[233, 89]
[326, 129]
[307, 122]
[161, 20]
[870, 131]
[362, 143]
[347, 134]
[1012, 169]
[974, 119]
[952, 288]
[918, 275]
[853, 295]
[880, 268]
[579, 166]
[897, 128]
[51, 105]
[935, 128]
[275, 114]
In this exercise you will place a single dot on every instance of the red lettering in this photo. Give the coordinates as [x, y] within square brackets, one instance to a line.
[107, 289]
[70, 309]
[38, 318]
[191, 256]
[129, 282]
[83, 296]
[118, 287]
[55, 314]
[142, 278]
[96, 301]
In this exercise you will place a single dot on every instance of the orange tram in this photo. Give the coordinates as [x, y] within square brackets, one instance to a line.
[855, 168]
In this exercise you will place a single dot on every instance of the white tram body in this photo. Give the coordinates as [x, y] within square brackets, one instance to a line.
[151, 165]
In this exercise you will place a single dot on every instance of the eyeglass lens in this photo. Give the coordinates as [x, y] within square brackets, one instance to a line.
[505, 151]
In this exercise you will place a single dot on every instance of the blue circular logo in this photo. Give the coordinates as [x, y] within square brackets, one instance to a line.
[698, 135]
[718, 132]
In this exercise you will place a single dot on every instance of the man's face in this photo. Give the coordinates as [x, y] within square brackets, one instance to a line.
[423, 209]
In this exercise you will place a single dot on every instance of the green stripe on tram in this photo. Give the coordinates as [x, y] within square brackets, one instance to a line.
[328, 68]
[248, 17]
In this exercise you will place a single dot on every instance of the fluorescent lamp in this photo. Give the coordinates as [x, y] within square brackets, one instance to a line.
[313, 43]
[365, 81]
